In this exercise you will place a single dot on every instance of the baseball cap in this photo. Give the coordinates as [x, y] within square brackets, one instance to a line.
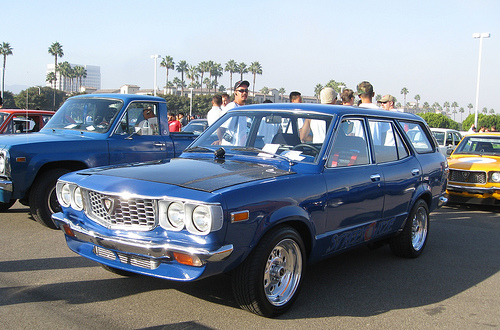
[327, 95]
[387, 98]
[241, 82]
[365, 87]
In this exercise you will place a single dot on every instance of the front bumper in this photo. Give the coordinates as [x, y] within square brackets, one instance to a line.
[476, 195]
[84, 242]
[6, 189]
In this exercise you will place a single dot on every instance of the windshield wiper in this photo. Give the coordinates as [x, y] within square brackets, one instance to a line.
[260, 151]
[198, 149]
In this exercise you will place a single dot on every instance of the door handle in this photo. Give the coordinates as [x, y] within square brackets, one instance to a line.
[159, 144]
[375, 177]
[415, 172]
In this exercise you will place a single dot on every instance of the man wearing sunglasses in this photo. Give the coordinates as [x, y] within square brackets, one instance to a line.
[240, 95]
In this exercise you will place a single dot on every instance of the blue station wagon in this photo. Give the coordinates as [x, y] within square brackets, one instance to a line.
[261, 193]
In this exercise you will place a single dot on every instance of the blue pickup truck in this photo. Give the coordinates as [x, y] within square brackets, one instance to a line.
[87, 131]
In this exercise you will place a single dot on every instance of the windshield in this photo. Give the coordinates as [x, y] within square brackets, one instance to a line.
[298, 137]
[86, 114]
[439, 137]
[479, 145]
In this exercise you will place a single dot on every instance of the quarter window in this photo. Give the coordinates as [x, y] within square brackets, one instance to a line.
[417, 137]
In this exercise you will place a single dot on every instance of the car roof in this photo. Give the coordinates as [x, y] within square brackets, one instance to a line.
[340, 110]
[24, 111]
[124, 97]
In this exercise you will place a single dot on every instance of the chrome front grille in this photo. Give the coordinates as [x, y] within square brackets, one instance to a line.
[467, 176]
[134, 260]
[115, 212]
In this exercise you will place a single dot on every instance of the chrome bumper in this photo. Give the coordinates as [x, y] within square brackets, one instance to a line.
[472, 190]
[146, 248]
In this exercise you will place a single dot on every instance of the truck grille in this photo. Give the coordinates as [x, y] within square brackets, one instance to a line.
[115, 212]
[467, 176]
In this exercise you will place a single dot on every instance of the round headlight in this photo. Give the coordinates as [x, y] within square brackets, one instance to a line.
[495, 177]
[202, 218]
[66, 195]
[78, 199]
[175, 214]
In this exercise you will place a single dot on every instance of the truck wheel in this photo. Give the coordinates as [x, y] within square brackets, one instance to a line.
[268, 282]
[411, 242]
[5, 206]
[43, 199]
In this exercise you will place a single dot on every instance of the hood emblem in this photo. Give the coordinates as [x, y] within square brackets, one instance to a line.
[109, 204]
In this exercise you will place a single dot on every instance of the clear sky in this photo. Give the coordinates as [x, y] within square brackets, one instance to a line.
[423, 45]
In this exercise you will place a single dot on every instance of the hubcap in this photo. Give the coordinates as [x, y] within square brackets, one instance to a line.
[283, 272]
[419, 229]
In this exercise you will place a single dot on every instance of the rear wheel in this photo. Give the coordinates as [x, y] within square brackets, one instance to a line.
[43, 199]
[267, 283]
[411, 242]
[5, 206]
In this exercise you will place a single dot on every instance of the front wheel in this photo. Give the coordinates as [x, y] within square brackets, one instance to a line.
[43, 199]
[411, 242]
[267, 283]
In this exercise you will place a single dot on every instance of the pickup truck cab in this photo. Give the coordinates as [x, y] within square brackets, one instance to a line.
[14, 121]
[87, 131]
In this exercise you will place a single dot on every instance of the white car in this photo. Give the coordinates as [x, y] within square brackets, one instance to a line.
[447, 139]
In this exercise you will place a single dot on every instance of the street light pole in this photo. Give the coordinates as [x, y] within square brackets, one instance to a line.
[481, 36]
[155, 84]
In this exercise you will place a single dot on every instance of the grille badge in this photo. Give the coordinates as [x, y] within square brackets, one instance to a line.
[109, 204]
[465, 174]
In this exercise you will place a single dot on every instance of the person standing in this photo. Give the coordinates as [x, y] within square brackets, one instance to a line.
[295, 97]
[225, 101]
[236, 127]
[328, 96]
[173, 124]
[366, 94]
[347, 97]
[387, 102]
[182, 119]
[216, 110]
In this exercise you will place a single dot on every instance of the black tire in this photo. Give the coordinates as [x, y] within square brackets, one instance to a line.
[268, 282]
[43, 200]
[412, 240]
[117, 271]
[5, 206]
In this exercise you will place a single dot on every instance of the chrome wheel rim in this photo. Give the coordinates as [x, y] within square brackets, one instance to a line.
[419, 229]
[283, 272]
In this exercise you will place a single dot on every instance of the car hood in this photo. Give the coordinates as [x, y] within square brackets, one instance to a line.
[474, 162]
[46, 136]
[200, 174]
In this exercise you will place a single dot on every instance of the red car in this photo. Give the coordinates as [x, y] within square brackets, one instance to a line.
[23, 121]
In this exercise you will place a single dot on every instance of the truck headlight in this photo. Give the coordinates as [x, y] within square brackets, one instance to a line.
[495, 177]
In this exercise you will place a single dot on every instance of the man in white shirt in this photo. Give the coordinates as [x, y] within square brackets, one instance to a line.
[216, 110]
[235, 128]
[366, 94]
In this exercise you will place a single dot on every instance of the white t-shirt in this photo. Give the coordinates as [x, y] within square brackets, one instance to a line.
[214, 114]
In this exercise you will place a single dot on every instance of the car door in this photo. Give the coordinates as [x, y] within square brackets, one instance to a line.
[355, 186]
[136, 138]
[400, 169]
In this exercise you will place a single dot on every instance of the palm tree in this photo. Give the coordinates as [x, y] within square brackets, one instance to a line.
[417, 98]
[231, 67]
[426, 106]
[404, 91]
[51, 78]
[485, 110]
[470, 106]
[216, 72]
[55, 50]
[281, 91]
[255, 68]
[265, 91]
[80, 73]
[192, 74]
[168, 63]
[207, 83]
[435, 106]
[64, 71]
[492, 111]
[202, 68]
[5, 50]
[317, 90]
[182, 66]
[242, 69]
[454, 105]
[446, 105]
[210, 67]
[461, 110]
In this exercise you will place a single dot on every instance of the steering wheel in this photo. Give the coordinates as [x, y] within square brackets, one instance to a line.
[302, 146]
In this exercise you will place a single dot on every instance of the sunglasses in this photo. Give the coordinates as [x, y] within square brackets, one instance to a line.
[242, 90]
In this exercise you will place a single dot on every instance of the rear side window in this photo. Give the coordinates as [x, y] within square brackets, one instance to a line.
[387, 143]
[417, 137]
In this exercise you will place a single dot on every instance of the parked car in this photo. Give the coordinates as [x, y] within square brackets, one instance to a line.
[448, 139]
[23, 121]
[87, 131]
[475, 170]
[196, 126]
[262, 192]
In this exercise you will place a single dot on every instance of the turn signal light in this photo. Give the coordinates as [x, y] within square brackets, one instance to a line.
[187, 259]
[68, 230]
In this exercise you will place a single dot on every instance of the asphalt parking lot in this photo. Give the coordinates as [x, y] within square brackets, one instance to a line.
[455, 284]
